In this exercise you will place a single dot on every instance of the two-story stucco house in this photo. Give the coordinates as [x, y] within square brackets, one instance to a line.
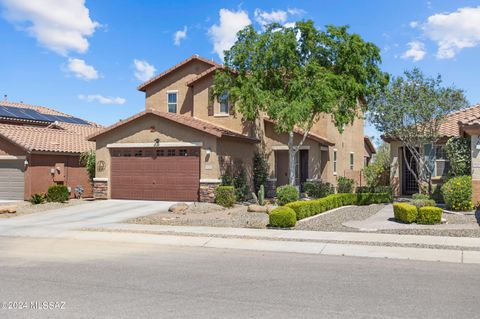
[179, 147]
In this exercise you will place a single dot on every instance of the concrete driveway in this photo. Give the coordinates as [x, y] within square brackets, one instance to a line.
[93, 214]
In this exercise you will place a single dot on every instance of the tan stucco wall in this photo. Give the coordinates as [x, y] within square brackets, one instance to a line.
[138, 131]
[156, 93]
[237, 154]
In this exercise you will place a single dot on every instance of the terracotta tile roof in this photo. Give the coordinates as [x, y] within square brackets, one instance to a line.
[142, 86]
[313, 136]
[369, 144]
[203, 74]
[468, 116]
[43, 139]
[189, 121]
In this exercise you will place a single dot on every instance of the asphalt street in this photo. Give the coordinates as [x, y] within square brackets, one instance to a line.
[87, 279]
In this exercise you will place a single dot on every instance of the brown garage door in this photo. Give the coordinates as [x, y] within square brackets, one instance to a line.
[156, 174]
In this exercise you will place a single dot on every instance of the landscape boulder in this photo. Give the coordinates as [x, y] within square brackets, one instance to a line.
[254, 208]
[8, 209]
[178, 208]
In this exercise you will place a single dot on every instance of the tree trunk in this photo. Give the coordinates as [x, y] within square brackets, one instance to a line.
[291, 159]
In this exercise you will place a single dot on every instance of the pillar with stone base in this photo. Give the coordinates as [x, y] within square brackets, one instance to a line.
[207, 190]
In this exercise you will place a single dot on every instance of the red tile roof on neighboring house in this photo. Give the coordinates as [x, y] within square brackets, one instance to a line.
[143, 86]
[188, 121]
[313, 136]
[58, 137]
[44, 139]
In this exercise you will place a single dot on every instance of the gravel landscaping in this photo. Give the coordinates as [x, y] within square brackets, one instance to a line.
[25, 208]
[332, 221]
[204, 214]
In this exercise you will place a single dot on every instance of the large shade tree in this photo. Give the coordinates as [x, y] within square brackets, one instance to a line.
[411, 109]
[294, 74]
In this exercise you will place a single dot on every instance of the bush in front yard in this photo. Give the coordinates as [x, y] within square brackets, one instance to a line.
[429, 215]
[58, 193]
[38, 198]
[225, 196]
[287, 194]
[419, 203]
[304, 209]
[405, 212]
[282, 217]
[420, 196]
[457, 193]
[318, 189]
[345, 185]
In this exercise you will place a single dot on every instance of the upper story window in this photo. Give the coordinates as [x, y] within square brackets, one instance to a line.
[172, 101]
[352, 160]
[224, 107]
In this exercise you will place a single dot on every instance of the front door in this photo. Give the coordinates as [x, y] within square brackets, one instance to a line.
[409, 183]
[301, 166]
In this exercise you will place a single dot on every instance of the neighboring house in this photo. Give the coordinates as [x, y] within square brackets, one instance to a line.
[40, 147]
[461, 123]
[179, 147]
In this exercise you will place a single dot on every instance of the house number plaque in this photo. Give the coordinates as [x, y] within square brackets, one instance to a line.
[101, 166]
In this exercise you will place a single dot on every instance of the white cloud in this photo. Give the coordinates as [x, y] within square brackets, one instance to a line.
[180, 35]
[224, 34]
[416, 51]
[82, 70]
[102, 99]
[263, 18]
[296, 11]
[454, 31]
[289, 25]
[413, 24]
[59, 25]
[143, 70]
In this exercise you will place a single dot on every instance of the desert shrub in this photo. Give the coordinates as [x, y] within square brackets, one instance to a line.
[345, 185]
[429, 215]
[457, 193]
[304, 209]
[287, 194]
[405, 212]
[378, 172]
[318, 189]
[226, 180]
[241, 186]
[58, 193]
[423, 203]
[437, 194]
[282, 217]
[260, 171]
[225, 196]
[459, 155]
[38, 198]
[420, 196]
[376, 189]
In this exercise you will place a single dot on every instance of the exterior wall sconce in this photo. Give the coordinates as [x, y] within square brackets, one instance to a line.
[208, 151]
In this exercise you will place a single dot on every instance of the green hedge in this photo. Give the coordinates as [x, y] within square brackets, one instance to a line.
[57, 193]
[429, 215]
[225, 196]
[282, 217]
[457, 193]
[405, 212]
[287, 194]
[419, 203]
[304, 209]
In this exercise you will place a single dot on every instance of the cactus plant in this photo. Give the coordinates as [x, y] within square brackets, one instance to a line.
[255, 197]
[261, 195]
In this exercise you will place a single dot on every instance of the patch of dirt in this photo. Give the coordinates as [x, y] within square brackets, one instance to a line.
[205, 214]
[25, 208]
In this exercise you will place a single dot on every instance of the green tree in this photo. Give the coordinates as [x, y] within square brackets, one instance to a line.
[378, 172]
[293, 74]
[411, 109]
[88, 159]
[459, 155]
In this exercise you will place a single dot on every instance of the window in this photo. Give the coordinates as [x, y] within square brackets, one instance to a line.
[334, 162]
[171, 152]
[442, 165]
[351, 160]
[366, 161]
[138, 153]
[172, 102]
[160, 153]
[182, 153]
[224, 109]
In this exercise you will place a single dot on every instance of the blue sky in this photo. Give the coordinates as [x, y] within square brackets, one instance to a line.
[87, 58]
